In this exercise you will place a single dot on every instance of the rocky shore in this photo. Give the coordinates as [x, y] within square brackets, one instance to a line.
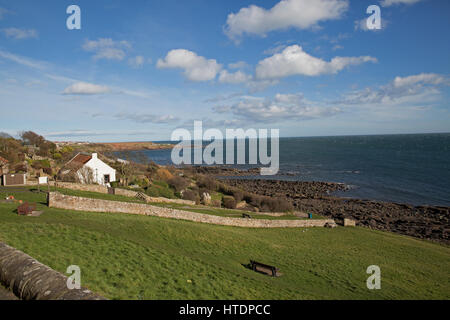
[424, 222]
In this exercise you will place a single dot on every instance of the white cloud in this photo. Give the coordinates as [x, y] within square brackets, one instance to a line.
[147, 118]
[234, 78]
[84, 88]
[415, 89]
[106, 48]
[196, 68]
[3, 12]
[420, 79]
[238, 65]
[282, 107]
[388, 3]
[301, 14]
[23, 61]
[20, 34]
[136, 62]
[294, 61]
[93, 133]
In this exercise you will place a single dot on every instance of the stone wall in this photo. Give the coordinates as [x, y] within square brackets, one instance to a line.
[118, 191]
[57, 200]
[82, 187]
[29, 279]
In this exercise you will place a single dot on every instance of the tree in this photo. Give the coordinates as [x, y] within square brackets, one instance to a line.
[31, 138]
[85, 175]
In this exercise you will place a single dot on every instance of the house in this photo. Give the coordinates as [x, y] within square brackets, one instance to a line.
[88, 168]
[3, 166]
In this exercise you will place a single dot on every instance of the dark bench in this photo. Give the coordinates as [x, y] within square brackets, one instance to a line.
[264, 268]
[26, 209]
[247, 216]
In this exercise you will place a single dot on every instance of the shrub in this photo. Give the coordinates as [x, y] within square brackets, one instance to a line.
[57, 156]
[164, 174]
[45, 163]
[36, 165]
[269, 204]
[229, 202]
[238, 195]
[178, 183]
[48, 171]
[216, 203]
[207, 182]
[142, 182]
[190, 195]
[20, 168]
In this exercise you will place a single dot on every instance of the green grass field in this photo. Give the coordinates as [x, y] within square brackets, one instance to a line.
[141, 257]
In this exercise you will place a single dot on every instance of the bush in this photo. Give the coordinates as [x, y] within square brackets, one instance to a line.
[238, 195]
[178, 183]
[207, 182]
[57, 156]
[216, 203]
[20, 168]
[190, 195]
[269, 204]
[229, 202]
[164, 174]
[48, 171]
[36, 165]
[142, 182]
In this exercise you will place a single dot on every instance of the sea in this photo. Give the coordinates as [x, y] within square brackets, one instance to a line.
[409, 168]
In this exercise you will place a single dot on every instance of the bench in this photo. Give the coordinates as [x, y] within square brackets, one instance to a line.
[26, 209]
[264, 268]
[247, 216]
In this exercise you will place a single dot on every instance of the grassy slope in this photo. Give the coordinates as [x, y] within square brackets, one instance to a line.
[135, 257]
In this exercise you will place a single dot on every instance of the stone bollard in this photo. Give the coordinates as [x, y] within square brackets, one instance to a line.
[29, 279]
[349, 223]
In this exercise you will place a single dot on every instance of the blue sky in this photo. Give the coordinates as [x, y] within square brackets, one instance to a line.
[139, 69]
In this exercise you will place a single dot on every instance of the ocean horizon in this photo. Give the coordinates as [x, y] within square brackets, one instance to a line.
[404, 168]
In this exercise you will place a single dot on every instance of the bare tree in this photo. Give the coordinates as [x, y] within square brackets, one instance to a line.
[86, 175]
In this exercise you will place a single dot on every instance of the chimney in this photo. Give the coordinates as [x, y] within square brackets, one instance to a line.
[94, 156]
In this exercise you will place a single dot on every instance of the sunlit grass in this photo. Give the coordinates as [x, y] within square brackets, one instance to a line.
[142, 257]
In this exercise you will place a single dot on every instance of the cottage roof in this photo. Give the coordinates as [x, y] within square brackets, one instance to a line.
[77, 162]
[3, 161]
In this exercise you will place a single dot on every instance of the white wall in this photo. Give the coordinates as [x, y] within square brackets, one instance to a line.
[99, 169]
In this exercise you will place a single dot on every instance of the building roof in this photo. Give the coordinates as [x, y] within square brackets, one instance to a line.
[77, 162]
[3, 161]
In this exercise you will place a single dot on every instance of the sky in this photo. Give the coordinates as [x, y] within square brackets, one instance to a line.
[137, 70]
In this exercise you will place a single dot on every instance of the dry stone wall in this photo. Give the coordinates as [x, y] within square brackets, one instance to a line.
[57, 200]
[133, 194]
[82, 187]
[118, 191]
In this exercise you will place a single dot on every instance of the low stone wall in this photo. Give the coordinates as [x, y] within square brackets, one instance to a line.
[57, 200]
[82, 187]
[29, 279]
[125, 192]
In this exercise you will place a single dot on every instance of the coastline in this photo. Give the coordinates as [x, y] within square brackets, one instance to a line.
[423, 222]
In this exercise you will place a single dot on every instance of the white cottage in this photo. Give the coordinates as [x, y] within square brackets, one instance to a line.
[84, 164]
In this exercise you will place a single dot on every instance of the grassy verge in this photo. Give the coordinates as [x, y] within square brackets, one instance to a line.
[135, 257]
